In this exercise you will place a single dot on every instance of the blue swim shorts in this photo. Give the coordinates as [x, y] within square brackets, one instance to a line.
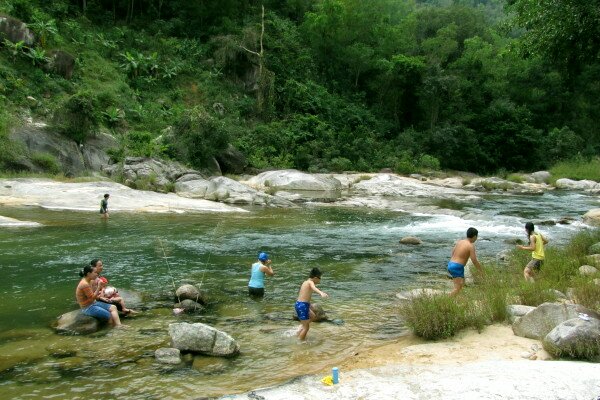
[303, 310]
[98, 310]
[456, 270]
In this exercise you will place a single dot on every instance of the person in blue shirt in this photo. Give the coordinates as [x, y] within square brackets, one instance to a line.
[256, 286]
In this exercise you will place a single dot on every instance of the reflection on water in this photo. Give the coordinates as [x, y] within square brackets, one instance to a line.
[357, 249]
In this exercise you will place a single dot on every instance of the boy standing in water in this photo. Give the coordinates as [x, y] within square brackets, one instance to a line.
[463, 250]
[305, 315]
[536, 245]
[104, 206]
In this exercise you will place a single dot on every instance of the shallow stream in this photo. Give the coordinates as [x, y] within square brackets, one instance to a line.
[357, 249]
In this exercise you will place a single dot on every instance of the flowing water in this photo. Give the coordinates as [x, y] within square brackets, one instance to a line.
[358, 250]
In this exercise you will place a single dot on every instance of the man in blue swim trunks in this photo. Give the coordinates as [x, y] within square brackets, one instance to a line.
[305, 315]
[461, 253]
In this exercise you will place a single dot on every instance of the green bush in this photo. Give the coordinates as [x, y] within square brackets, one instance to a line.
[47, 162]
[435, 316]
[77, 118]
[577, 168]
[199, 136]
[340, 164]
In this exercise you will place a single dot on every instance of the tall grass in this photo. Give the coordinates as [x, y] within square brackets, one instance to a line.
[578, 168]
[441, 316]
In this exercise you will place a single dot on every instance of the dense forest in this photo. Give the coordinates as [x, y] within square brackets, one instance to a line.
[317, 85]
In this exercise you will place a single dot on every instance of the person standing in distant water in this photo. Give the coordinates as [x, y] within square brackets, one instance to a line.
[256, 286]
[536, 245]
[104, 206]
[463, 250]
[302, 306]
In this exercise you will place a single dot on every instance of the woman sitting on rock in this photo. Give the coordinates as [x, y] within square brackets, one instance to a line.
[86, 297]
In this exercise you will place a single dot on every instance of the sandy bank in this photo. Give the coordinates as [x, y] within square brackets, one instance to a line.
[487, 365]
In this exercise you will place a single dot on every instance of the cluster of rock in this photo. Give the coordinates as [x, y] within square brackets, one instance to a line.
[190, 298]
[566, 330]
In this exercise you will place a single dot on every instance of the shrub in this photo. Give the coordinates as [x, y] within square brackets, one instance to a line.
[199, 137]
[434, 316]
[47, 162]
[429, 162]
[586, 293]
[77, 117]
[516, 178]
[340, 164]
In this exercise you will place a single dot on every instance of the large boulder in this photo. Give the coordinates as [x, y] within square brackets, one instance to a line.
[292, 180]
[586, 185]
[517, 310]
[76, 323]
[592, 217]
[15, 31]
[38, 139]
[576, 337]
[150, 173]
[95, 150]
[61, 63]
[537, 323]
[232, 161]
[203, 339]
[541, 176]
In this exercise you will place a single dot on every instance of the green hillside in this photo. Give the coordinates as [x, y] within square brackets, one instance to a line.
[318, 85]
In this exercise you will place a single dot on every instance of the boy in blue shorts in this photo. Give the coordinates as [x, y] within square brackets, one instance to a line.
[305, 315]
[461, 253]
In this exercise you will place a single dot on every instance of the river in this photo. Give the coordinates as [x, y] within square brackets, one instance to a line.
[356, 248]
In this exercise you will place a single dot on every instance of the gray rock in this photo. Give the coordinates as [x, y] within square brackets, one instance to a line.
[76, 323]
[410, 240]
[168, 355]
[190, 292]
[594, 249]
[95, 151]
[203, 339]
[584, 184]
[320, 314]
[189, 306]
[587, 270]
[15, 31]
[537, 323]
[518, 310]
[541, 176]
[593, 259]
[414, 293]
[592, 217]
[232, 161]
[291, 180]
[60, 62]
[576, 337]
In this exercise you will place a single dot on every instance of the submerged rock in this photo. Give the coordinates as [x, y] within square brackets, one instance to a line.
[168, 355]
[410, 240]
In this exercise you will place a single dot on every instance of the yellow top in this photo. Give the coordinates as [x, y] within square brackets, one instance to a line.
[538, 253]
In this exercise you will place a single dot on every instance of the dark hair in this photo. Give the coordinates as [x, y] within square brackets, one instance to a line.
[529, 228]
[86, 270]
[315, 273]
[472, 232]
[106, 195]
[94, 262]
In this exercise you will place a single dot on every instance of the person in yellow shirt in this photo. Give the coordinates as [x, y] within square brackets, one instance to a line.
[536, 244]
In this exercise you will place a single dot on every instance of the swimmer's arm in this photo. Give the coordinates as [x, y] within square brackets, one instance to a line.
[531, 244]
[473, 256]
[314, 288]
[267, 269]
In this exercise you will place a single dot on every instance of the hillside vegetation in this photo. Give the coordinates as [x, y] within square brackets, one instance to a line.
[318, 85]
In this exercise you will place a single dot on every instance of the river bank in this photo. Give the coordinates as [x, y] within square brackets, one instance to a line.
[471, 365]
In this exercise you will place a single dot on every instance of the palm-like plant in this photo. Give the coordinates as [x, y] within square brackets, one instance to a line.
[14, 48]
[44, 29]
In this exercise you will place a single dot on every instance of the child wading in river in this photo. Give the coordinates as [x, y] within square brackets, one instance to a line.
[302, 306]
